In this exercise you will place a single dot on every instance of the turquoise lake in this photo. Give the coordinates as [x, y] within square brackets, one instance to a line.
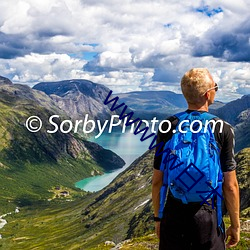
[127, 145]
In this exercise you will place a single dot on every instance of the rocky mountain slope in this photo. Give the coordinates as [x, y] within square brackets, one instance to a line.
[78, 98]
[231, 111]
[237, 114]
[242, 130]
[4, 80]
[31, 163]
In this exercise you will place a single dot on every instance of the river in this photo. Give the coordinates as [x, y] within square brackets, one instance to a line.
[127, 145]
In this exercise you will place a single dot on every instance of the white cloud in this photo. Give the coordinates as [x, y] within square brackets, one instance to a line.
[118, 81]
[35, 68]
[141, 44]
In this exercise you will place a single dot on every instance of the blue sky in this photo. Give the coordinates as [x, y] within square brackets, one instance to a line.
[126, 45]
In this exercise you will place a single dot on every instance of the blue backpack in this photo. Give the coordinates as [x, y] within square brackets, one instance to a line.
[191, 163]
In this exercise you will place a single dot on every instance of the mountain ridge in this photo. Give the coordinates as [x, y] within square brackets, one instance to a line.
[230, 111]
[58, 159]
[120, 211]
[237, 113]
[4, 80]
[72, 95]
[78, 97]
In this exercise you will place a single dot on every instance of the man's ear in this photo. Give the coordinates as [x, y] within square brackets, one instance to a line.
[207, 95]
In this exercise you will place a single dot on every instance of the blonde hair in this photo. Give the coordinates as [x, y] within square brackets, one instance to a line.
[195, 83]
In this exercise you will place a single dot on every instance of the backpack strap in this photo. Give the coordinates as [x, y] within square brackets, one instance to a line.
[182, 115]
[163, 195]
[219, 201]
[208, 116]
[164, 188]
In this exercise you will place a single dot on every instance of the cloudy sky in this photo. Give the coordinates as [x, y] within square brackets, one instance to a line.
[126, 45]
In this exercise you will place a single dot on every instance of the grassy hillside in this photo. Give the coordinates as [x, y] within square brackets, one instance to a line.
[243, 176]
[38, 172]
[123, 210]
[150, 242]
[51, 225]
[31, 164]
[58, 227]
[86, 222]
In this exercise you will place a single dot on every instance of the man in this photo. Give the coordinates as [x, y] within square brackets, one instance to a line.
[192, 225]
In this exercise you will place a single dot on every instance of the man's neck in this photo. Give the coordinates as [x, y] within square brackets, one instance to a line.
[198, 107]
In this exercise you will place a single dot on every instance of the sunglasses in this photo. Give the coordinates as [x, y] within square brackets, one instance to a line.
[216, 87]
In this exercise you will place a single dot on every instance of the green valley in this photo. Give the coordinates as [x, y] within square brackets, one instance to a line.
[32, 163]
[121, 213]
[38, 172]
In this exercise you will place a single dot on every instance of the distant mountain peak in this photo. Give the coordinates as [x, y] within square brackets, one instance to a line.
[78, 97]
[61, 88]
[4, 80]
